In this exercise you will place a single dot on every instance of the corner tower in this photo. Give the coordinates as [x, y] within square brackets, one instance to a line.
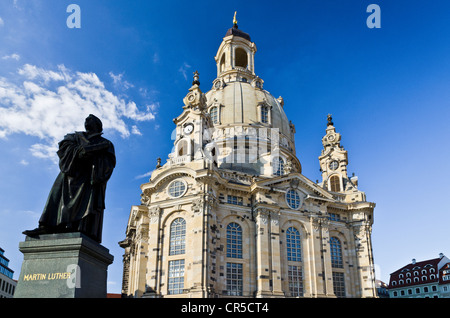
[333, 165]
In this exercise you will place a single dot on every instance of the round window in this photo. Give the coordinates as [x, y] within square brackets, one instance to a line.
[293, 199]
[177, 188]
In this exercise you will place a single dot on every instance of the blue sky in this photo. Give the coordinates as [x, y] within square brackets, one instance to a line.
[131, 62]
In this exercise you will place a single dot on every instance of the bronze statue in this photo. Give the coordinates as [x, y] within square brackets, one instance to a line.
[77, 198]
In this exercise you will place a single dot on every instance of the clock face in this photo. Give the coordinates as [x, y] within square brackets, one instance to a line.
[334, 165]
[188, 128]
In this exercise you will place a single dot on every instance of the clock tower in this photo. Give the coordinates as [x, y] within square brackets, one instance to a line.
[193, 127]
[333, 165]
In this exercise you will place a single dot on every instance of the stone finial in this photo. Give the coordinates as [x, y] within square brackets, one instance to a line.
[196, 79]
[329, 118]
[158, 163]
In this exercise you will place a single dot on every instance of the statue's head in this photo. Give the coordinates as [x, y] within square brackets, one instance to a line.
[93, 124]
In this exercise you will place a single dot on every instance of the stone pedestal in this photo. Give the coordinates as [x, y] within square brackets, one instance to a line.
[68, 265]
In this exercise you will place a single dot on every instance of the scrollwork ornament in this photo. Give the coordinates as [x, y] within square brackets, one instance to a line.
[154, 214]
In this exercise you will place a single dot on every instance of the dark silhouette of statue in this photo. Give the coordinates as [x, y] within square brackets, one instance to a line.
[77, 199]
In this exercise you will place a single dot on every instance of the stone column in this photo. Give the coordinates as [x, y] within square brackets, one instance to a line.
[275, 257]
[154, 250]
[262, 253]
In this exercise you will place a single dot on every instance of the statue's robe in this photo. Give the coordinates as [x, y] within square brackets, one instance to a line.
[77, 199]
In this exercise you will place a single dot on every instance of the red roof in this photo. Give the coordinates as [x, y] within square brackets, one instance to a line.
[415, 274]
[113, 295]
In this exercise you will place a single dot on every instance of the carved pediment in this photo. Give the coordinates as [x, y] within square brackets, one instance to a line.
[299, 182]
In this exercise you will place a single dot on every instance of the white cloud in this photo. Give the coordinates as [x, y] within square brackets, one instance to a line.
[13, 56]
[2, 23]
[135, 130]
[183, 69]
[51, 103]
[145, 175]
[119, 82]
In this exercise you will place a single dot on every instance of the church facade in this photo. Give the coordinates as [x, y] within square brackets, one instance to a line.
[230, 213]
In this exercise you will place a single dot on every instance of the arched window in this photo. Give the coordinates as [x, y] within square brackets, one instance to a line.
[240, 58]
[278, 166]
[265, 114]
[182, 148]
[214, 113]
[293, 245]
[336, 253]
[177, 236]
[234, 240]
[335, 184]
[222, 63]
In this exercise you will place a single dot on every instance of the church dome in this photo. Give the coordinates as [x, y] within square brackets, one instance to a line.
[242, 103]
[238, 98]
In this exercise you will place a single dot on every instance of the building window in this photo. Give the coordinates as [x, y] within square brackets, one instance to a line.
[293, 245]
[222, 63]
[234, 240]
[334, 217]
[177, 188]
[214, 113]
[293, 199]
[177, 237]
[338, 284]
[335, 184]
[336, 253]
[278, 166]
[295, 277]
[417, 290]
[182, 148]
[265, 114]
[241, 58]
[232, 199]
[176, 277]
[234, 279]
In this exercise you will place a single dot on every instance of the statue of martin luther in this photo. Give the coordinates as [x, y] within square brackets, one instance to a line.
[77, 199]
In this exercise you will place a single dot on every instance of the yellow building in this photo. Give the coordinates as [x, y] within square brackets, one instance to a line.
[230, 213]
